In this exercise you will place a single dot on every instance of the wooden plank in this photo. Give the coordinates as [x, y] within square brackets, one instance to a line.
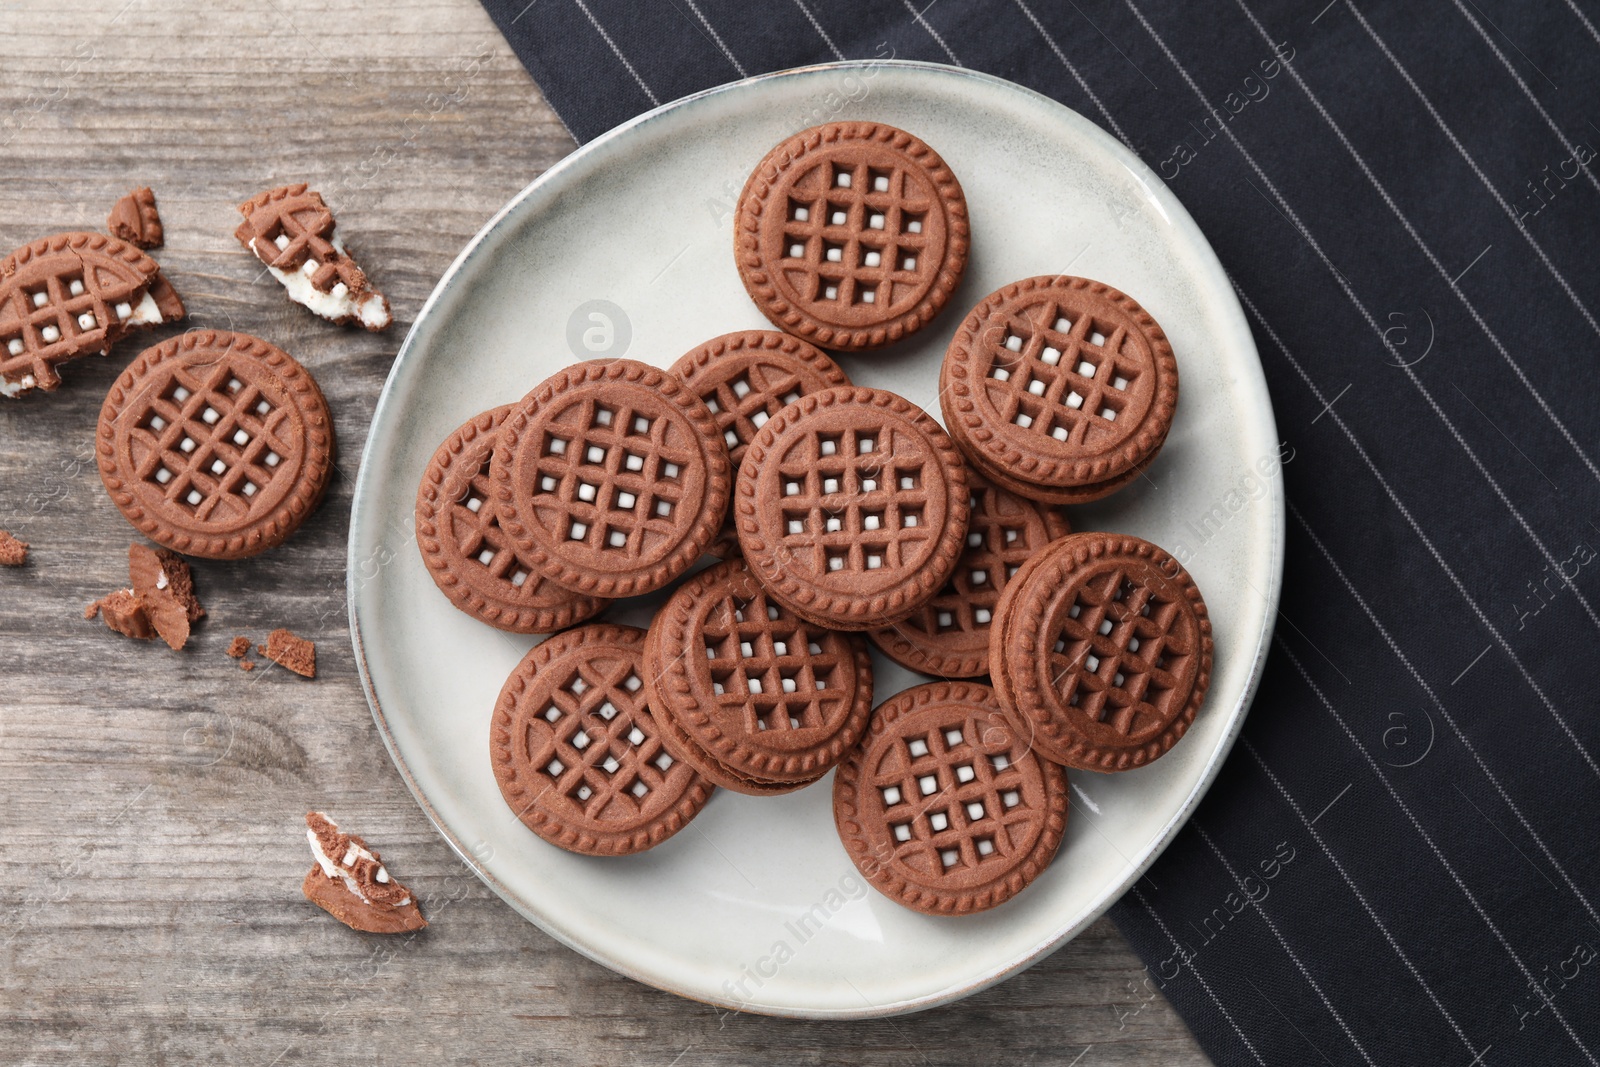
[152, 849]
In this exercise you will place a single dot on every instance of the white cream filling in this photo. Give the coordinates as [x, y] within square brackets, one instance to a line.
[24, 384]
[353, 853]
[146, 313]
[371, 310]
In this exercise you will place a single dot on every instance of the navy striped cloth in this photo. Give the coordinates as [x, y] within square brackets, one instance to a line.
[1400, 863]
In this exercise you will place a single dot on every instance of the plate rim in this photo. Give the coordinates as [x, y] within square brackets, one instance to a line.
[1178, 216]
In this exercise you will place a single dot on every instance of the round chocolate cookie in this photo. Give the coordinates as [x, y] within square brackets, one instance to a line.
[745, 378]
[949, 635]
[1101, 651]
[578, 755]
[851, 235]
[215, 444]
[469, 556]
[852, 507]
[1059, 388]
[611, 478]
[750, 695]
[943, 807]
[70, 295]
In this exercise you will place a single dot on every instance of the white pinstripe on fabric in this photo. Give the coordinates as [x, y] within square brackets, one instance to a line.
[925, 24]
[1427, 839]
[1361, 897]
[1197, 976]
[1448, 718]
[617, 51]
[1294, 219]
[1534, 100]
[1394, 208]
[1312, 982]
[717, 38]
[1394, 498]
[820, 31]
[1576, 10]
[1072, 70]
[1516, 220]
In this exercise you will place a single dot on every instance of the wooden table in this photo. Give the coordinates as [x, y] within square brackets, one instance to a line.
[151, 844]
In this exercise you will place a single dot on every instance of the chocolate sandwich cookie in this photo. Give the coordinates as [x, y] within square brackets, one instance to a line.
[745, 378]
[293, 232]
[852, 507]
[851, 235]
[71, 295]
[949, 635]
[749, 694]
[611, 478]
[1059, 388]
[1101, 651]
[215, 444]
[469, 555]
[577, 754]
[943, 807]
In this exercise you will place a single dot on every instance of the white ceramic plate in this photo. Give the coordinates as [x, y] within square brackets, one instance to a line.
[756, 905]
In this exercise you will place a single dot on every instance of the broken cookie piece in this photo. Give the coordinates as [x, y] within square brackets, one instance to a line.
[350, 882]
[160, 600]
[13, 553]
[162, 572]
[124, 612]
[287, 650]
[165, 586]
[293, 232]
[134, 219]
[69, 295]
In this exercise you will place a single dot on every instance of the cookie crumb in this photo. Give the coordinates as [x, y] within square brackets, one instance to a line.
[349, 882]
[293, 232]
[13, 553]
[134, 219]
[239, 649]
[124, 612]
[287, 650]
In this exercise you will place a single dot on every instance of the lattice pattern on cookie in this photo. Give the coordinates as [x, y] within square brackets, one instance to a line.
[212, 441]
[743, 403]
[475, 523]
[299, 228]
[1000, 540]
[950, 806]
[1064, 373]
[606, 756]
[782, 673]
[855, 501]
[855, 233]
[618, 471]
[1122, 645]
[62, 316]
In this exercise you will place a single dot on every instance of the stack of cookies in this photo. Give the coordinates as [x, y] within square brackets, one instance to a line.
[844, 518]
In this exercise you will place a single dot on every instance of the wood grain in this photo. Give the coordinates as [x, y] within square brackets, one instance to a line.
[151, 851]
